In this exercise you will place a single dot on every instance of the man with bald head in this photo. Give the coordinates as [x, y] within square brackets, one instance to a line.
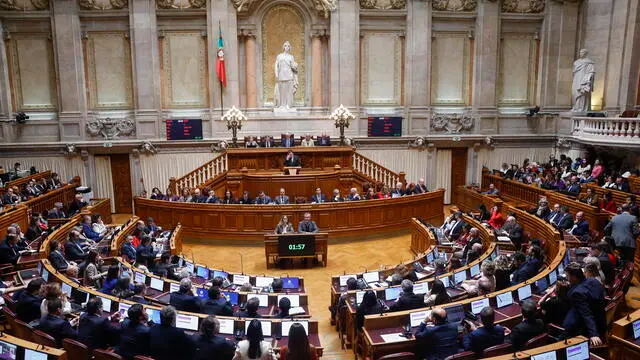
[420, 188]
[437, 337]
[513, 230]
[580, 225]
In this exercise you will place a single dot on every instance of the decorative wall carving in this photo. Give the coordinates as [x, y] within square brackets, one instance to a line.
[381, 80]
[181, 4]
[110, 128]
[109, 80]
[24, 5]
[282, 23]
[185, 73]
[523, 6]
[383, 4]
[103, 4]
[148, 148]
[454, 5]
[563, 143]
[323, 7]
[452, 123]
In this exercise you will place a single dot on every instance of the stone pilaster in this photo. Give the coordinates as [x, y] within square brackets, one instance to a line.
[144, 39]
[316, 69]
[418, 54]
[222, 12]
[344, 51]
[251, 80]
[68, 49]
[557, 53]
[487, 41]
[6, 108]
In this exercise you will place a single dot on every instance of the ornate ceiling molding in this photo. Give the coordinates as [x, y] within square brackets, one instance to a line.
[452, 123]
[454, 5]
[110, 128]
[103, 4]
[383, 4]
[523, 6]
[322, 7]
[24, 5]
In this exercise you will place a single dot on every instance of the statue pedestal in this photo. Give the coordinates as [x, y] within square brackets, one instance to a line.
[282, 111]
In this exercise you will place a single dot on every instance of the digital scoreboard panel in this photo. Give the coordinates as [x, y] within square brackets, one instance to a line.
[184, 129]
[297, 245]
[384, 126]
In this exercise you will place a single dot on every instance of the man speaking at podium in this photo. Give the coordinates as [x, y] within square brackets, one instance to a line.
[291, 159]
[307, 225]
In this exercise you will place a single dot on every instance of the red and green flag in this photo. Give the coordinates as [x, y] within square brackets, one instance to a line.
[220, 69]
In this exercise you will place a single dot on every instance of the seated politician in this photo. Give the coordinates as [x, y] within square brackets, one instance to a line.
[477, 339]
[183, 299]
[284, 226]
[307, 225]
[262, 199]
[292, 160]
[407, 300]
[282, 198]
[318, 197]
[437, 336]
[336, 196]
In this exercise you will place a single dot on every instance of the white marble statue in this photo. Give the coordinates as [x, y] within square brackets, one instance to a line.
[583, 74]
[286, 78]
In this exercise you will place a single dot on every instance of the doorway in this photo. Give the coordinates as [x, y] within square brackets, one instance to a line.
[458, 170]
[121, 178]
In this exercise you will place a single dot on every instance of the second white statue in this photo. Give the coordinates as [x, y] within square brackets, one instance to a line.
[286, 85]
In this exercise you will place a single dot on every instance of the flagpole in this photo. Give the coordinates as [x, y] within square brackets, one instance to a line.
[221, 99]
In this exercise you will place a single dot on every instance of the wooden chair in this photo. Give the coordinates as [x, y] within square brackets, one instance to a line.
[45, 339]
[465, 355]
[102, 354]
[23, 330]
[497, 350]
[11, 304]
[10, 317]
[76, 350]
[612, 307]
[536, 341]
[341, 327]
[399, 356]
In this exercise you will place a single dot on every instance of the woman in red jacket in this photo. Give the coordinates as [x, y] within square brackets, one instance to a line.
[608, 204]
[496, 221]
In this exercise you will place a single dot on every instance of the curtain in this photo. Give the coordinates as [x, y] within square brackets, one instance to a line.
[493, 159]
[104, 182]
[66, 167]
[412, 162]
[157, 169]
[443, 174]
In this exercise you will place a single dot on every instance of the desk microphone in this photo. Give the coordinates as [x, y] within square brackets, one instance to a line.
[241, 263]
[192, 256]
[365, 268]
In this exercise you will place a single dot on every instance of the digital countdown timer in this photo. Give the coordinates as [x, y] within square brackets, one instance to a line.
[384, 126]
[184, 129]
[297, 245]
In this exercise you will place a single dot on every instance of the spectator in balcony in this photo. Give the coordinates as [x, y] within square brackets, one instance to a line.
[586, 177]
[598, 170]
[608, 203]
[186, 195]
[411, 187]
[370, 195]
[622, 184]
[156, 194]
[610, 183]
[493, 190]
[10, 198]
[583, 166]
[589, 198]
[53, 182]
[228, 197]
[420, 188]
[573, 188]
[170, 196]
[397, 191]
[251, 142]
[196, 197]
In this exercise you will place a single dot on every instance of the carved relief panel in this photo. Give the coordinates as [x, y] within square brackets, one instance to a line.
[381, 68]
[181, 4]
[31, 72]
[383, 4]
[103, 4]
[24, 5]
[282, 23]
[454, 5]
[450, 68]
[523, 6]
[109, 80]
[184, 72]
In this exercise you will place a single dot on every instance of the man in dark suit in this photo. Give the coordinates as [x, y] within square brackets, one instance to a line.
[94, 330]
[420, 188]
[574, 186]
[128, 249]
[57, 260]
[245, 198]
[474, 238]
[397, 191]
[622, 184]
[209, 345]
[586, 316]
[138, 294]
[184, 300]
[564, 220]
[77, 204]
[87, 229]
[134, 334]
[57, 212]
[318, 197]
[513, 230]
[251, 309]
[478, 339]
[28, 301]
[72, 249]
[54, 325]
[530, 326]
[292, 160]
[262, 199]
[54, 182]
[267, 142]
[168, 342]
[624, 230]
[9, 198]
[526, 268]
[580, 225]
[9, 253]
[407, 299]
[216, 304]
[288, 140]
[210, 197]
[436, 336]
[456, 228]
[336, 196]
[282, 199]
[554, 214]
[599, 251]
[307, 225]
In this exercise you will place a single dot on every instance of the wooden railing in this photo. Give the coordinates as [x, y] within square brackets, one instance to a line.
[60, 234]
[102, 207]
[634, 184]
[620, 130]
[47, 201]
[117, 242]
[513, 190]
[19, 215]
[468, 199]
[23, 180]
[201, 175]
[375, 172]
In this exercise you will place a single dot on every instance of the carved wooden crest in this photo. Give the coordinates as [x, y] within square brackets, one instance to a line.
[111, 128]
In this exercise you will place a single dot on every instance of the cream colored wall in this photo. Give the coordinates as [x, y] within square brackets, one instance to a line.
[157, 169]
[67, 168]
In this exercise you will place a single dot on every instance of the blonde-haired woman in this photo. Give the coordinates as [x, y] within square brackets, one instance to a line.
[284, 226]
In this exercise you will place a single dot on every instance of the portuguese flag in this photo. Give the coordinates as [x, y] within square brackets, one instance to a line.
[220, 69]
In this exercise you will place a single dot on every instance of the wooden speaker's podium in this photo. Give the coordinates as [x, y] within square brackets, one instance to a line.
[295, 246]
[292, 170]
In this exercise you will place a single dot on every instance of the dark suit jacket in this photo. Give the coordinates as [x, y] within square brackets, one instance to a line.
[214, 348]
[58, 328]
[420, 189]
[8, 253]
[128, 250]
[248, 200]
[586, 316]
[469, 245]
[87, 230]
[526, 271]
[564, 221]
[76, 206]
[73, 251]
[308, 226]
[168, 342]
[581, 229]
[483, 338]
[216, 307]
[96, 331]
[362, 311]
[184, 302]
[134, 340]
[27, 306]
[438, 341]
[266, 200]
[526, 330]
[246, 314]
[607, 268]
[56, 214]
[407, 302]
[317, 199]
[456, 230]
[294, 161]
[282, 199]
[58, 261]
[514, 232]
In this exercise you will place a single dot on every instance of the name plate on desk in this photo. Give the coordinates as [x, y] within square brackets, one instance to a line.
[297, 245]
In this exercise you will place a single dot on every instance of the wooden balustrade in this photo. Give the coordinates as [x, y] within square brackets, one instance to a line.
[468, 199]
[20, 182]
[376, 173]
[19, 215]
[201, 175]
[117, 242]
[102, 207]
[421, 238]
[60, 234]
[64, 194]
[634, 184]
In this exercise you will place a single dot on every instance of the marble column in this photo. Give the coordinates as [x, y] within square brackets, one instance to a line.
[418, 54]
[7, 127]
[344, 51]
[630, 83]
[316, 69]
[487, 41]
[557, 53]
[68, 50]
[144, 49]
[251, 80]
